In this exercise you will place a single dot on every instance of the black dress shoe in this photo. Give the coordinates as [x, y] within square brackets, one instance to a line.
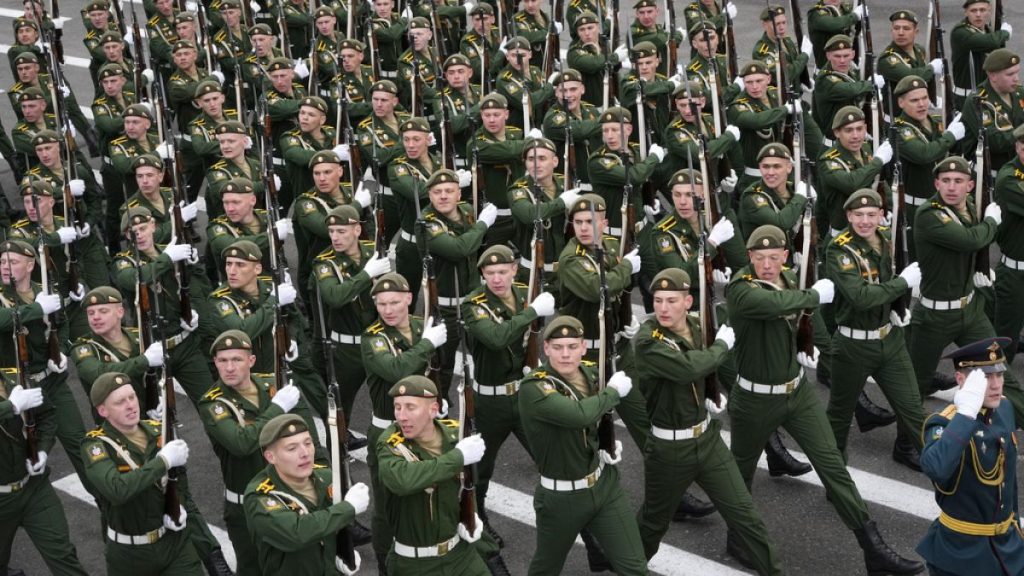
[732, 548]
[496, 564]
[216, 565]
[355, 442]
[870, 415]
[692, 507]
[904, 452]
[780, 461]
[596, 559]
[360, 534]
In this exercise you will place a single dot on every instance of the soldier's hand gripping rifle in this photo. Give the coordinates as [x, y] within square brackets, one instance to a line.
[808, 238]
[536, 282]
[467, 423]
[52, 321]
[21, 351]
[606, 350]
[431, 309]
[168, 432]
[941, 86]
[628, 210]
[982, 175]
[898, 232]
[706, 278]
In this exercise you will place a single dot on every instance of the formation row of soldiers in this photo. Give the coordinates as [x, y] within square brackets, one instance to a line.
[503, 239]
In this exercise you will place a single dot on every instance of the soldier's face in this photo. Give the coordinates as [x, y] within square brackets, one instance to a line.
[531, 6]
[15, 266]
[38, 207]
[864, 221]
[325, 25]
[135, 127]
[852, 135]
[778, 27]
[768, 263]
[519, 59]
[648, 16]
[494, 119]
[48, 154]
[383, 8]
[292, 457]
[121, 409]
[113, 85]
[615, 134]
[915, 103]
[994, 391]
[1005, 81]
[684, 108]
[903, 33]
[756, 84]
[164, 6]
[143, 234]
[840, 59]
[104, 318]
[978, 14]
[670, 308]
[238, 207]
[586, 228]
[33, 110]
[233, 366]
[393, 308]
[383, 103]
[351, 59]
[99, 18]
[420, 38]
[27, 35]
[326, 176]
[499, 277]
[241, 273]
[343, 238]
[113, 51]
[457, 76]
[565, 354]
[445, 197]
[1019, 147]
[775, 171]
[185, 58]
[588, 33]
[954, 187]
[282, 80]
[232, 16]
[683, 199]
[415, 415]
[705, 46]
[415, 143]
[231, 145]
[212, 103]
[482, 23]
[148, 178]
[311, 119]
[186, 30]
[647, 66]
[541, 163]
[28, 72]
[263, 44]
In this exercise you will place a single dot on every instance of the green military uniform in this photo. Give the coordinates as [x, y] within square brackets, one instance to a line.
[895, 64]
[760, 205]
[533, 27]
[181, 89]
[203, 133]
[514, 84]
[408, 180]
[311, 236]
[380, 142]
[578, 280]
[284, 112]
[500, 161]
[43, 83]
[592, 63]
[90, 205]
[700, 69]
[657, 100]
[222, 172]
[970, 42]
[658, 36]
[461, 113]
[682, 138]
[160, 208]
[699, 13]
[1009, 271]
[389, 33]
[759, 121]
[833, 91]
[95, 356]
[107, 113]
[23, 133]
[523, 197]
[608, 173]
[840, 174]
[356, 89]
[794, 61]
[299, 21]
[482, 50]
[123, 152]
[162, 35]
[298, 148]
[222, 232]
[994, 113]
[825, 21]
[417, 74]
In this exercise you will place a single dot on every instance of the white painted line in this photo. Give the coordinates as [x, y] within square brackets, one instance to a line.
[72, 486]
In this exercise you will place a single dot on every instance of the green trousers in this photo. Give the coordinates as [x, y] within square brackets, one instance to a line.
[632, 408]
[380, 530]
[496, 418]
[410, 266]
[669, 469]
[246, 552]
[172, 555]
[348, 370]
[463, 560]
[70, 427]
[191, 369]
[38, 510]
[756, 416]
[603, 509]
[933, 330]
[888, 362]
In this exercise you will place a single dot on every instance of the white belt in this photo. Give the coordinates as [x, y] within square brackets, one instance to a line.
[389, 73]
[958, 91]
[40, 376]
[586, 187]
[1011, 263]
[461, 162]
[528, 264]
[279, 162]
[408, 236]
[755, 172]
[325, 93]
[386, 190]
[913, 200]
[233, 497]
[186, 137]
[14, 486]
[506, 389]
[175, 340]
[684, 434]
[947, 304]
[856, 334]
[344, 338]
[504, 211]
[263, 15]
[828, 142]
[784, 388]
[450, 302]
[143, 539]
[595, 344]
[587, 481]
[380, 422]
[439, 549]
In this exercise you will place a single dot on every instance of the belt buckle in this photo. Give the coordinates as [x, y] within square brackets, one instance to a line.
[697, 430]
[964, 301]
[17, 486]
[790, 386]
[591, 479]
[510, 388]
[442, 548]
[883, 332]
[153, 536]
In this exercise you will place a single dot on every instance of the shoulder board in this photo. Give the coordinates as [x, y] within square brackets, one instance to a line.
[519, 285]
[395, 439]
[479, 299]
[376, 328]
[832, 154]
[221, 292]
[213, 393]
[588, 363]
[449, 423]
[366, 122]
[949, 411]
[95, 433]
[119, 140]
[843, 239]
[265, 487]
[326, 254]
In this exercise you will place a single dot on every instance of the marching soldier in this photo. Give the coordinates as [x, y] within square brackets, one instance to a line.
[973, 39]
[114, 52]
[828, 18]
[996, 108]
[655, 88]
[241, 221]
[588, 55]
[107, 111]
[355, 79]
[35, 118]
[160, 30]
[231, 47]
[284, 100]
[772, 200]
[704, 42]
[460, 100]
[481, 45]
[30, 75]
[202, 130]
[689, 124]
[836, 87]
[763, 301]
[974, 531]
[499, 154]
[379, 143]
[757, 115]
[903, 58]
[389, 29]
[326, 45]
[137, 140]
[1009, 316]
[158, 199]
[712, 11]
[231, 138]
[26, 38]
[85, 190]
[288, 507]
[533, 24]
[418, 69]
[647, 27]
[184, 82]
[300, 145]
[794, 59]
[523, 85]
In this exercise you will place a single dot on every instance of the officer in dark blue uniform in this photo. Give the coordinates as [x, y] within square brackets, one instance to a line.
[970, 455]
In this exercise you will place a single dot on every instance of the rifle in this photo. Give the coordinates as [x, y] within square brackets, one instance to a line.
[571, 181]
[204, 41]
[350, 25]
[371, 44]
[172, 501]
[706, 279]
[982, 175]
[467, 424]
[551, 41]
[673, 46]
[716, 104]
[416, 99]
[798, 35]
[808, 242]
[997, 15]
[341, 479]
[431, 309]
[355, 160]
[57, 39]
[941, 87]
[871, 112]
[898, 242]
[282, 29]
[474, 163]
[52, 321]
[731, 65]
[536, 283]
[627, 210]
[527, 109]
[141, 89]
[606, 426]
[21, 350]
[381, 236]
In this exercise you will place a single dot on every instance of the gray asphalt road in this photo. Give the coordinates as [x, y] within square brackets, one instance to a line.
[810, 538]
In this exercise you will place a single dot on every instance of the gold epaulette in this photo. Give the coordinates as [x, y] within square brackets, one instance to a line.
[119, 140]
[221, 292]
[100, 100]
[658, 334]
[369, 243]
[520, 285]
[219, 164]
[265, 487]
[327, 254]
[153, 21]
[21, 223]
[588, 363]
[220, 36]
[319, 466]
[581, 250]
[667, 224]
[832, 154]
[395, 439]
[540, 374]
[366, 122]
[479, 298]
[843, 239]
[948, 412]
[95, 433]
[507, 75]
[125, 254]
[448, 422]
[213, 393]
[9, 371]
[376, 328]
[265, 278]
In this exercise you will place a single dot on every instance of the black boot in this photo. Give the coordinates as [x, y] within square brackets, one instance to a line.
[595, 556]
[733, 548]
[382, 565]
[355, 441]
[488, 529]
[780, 461]
[216, 565]
[692, 507]
[879, 558]
[15, 572]
[942, 381]
[870, 415]
[904, 452]
[360, 534]
[496, 564]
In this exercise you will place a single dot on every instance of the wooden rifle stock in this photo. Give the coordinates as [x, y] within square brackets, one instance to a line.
[606, 352]
[28, 416]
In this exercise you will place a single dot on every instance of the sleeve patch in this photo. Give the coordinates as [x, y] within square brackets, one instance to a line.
[97, 453]
[83, 352]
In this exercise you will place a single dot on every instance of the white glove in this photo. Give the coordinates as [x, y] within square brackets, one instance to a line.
[58, 367]
[971, 395]
[1007, 28]
[218, 75]
[25, 398]
[621, 383]
[657, 150]
[154, 354]
[503, 47]
[622, 53]
[158, 412]
[633, 257]
[358, 496]
[464, 532]
[886, 219]
[342, 150]
[73, 130]
[552, 77]
[50, 303]
[129, 38]
[957, 128]
[879, 81]
[287, 397]
[362, 196]
[345, 570]
[558, 26]
[652, 211]
[534, 133]
[77, 187]
[731, 129]
[806, 361]
[164, 150]
[78, 294]
[407, 13]
[981, 280]
[147, 73]
[995, 212]
[897, 320]
[488, 215]
[190, 326]
[722, 276]
[469, 7]
[569, 197]
[191, 6]
[182, 520]
[248, 144]
[738, 81]
[283, 227]
[607, 458]
[727, 335]
[40, 465]
[543, 304]
[806, 47]
[728, 183]
[731, 9]
[826, 290]
[715, 410]
[65, 91]
[472, 448]
[626, 65]
[676, 80]
[189, 211]
[255, 7]
[300, 68]
[377, 266]
[437, 335]
[286, 294]
[936, 65]
[861, 11]
[721, 232]
[912, 275]
[465, 177]
[293, 352]
[174, 454]
[884, 152]
[67, 234]
[629, 331]
[178, 252]
[277, 180]
[802, 189]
